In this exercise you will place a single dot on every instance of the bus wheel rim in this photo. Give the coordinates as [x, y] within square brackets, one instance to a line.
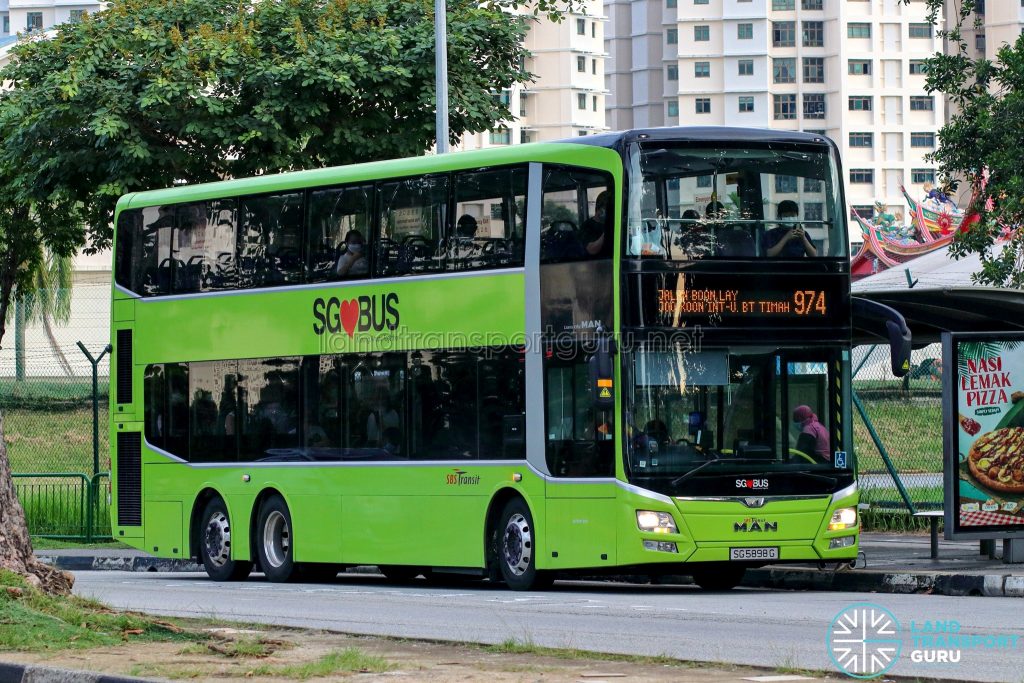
[276, 539]
[517, 544]
[218, 539]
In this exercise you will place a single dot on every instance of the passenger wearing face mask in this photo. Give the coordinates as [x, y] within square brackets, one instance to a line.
[353, 261]
[788, 239]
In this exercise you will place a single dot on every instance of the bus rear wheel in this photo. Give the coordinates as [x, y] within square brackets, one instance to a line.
[514, 540]
[719, 578]
[274, 545]
[215, 544]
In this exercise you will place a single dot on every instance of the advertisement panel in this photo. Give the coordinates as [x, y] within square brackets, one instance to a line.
[983, 398]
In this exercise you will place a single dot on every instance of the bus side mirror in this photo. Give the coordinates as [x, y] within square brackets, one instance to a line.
[881, 321]
[899, 346]
[602, 377]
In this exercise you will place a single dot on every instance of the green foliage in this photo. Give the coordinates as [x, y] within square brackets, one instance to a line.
[983, 133]
[349, 660]
[150, 93]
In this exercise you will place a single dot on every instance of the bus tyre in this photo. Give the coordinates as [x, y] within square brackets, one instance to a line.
[515, 548]
[274, 540]
[215, 544]
[719, 578]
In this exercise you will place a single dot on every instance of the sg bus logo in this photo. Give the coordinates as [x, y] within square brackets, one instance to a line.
[362, 313]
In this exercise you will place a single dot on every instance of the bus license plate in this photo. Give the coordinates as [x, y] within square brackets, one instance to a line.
[753, 553]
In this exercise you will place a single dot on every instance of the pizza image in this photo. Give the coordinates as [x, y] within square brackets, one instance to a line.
[997, 460]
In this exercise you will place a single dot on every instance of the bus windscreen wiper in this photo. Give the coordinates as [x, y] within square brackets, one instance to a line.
[679, 480]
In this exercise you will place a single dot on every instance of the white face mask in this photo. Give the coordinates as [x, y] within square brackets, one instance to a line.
[788, 222]
[355, 248]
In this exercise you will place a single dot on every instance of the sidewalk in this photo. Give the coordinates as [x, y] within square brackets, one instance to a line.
[890, 563]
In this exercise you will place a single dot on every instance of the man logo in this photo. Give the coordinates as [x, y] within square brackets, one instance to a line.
[754, 502]
[754, 525]
[864, 640]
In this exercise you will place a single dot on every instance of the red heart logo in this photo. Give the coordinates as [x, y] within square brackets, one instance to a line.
[349, 315]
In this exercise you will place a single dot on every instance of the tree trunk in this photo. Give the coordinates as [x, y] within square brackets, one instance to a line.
[62, 360]
[19, 341]
[16, 553]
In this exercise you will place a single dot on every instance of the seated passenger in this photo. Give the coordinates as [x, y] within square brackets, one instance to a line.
[596, 237]
[465, 228]
[714, 211]
[691, 216]
[353, 261]
[788, 240]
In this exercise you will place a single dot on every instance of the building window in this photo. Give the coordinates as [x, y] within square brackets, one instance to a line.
[918, 67]
[920, 30]
[784, 33]
[746, 104]
[704, 181]
[522, 104]
[858, 30]
[702, 105]
[814, 105]
[672, 72]
[593, 66]
[785, 107]
[581, 101]
[672, 36]
[785, 183]
[745, 67]
[861, 139]
[702, 69]
[812, 184]
[581, 27]
[701, 33]
[862, 175]
[783, 5]
[979, 42]
[33, 21]
[700, 2]
[859, 67]
[922, 175]
[524, 137]
[814, 33]
[593, 29]
[501, 136]
[814, 69]
[581, 133]
[744, 31]
[816, 5]
[670, 4]
[784, 69]
[503, 98]
[922, 140]
[593, 103]
[860, 103]
[7, 23]
[922, 103]
[814, 211]
[77, 15]
[673, 108]
[862, 210]
[581, 64]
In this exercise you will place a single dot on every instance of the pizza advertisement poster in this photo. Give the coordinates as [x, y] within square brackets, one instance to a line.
[984, 433]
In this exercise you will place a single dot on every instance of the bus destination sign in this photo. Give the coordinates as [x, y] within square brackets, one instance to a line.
[799, 302]
[740, 300]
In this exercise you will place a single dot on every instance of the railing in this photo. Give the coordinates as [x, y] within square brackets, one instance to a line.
[65, 505]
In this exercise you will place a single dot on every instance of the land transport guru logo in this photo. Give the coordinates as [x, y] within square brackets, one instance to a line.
[361, 313]
[866, 640]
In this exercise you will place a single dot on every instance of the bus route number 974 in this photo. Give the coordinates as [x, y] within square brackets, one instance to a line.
[809, 301]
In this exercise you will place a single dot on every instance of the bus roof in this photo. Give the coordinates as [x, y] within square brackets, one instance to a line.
[710, 134]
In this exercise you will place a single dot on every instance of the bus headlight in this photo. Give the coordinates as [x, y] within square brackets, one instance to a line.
[657, 522]
[843, 518]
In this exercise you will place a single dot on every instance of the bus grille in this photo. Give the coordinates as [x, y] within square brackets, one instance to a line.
[124, 366]
[129, 479]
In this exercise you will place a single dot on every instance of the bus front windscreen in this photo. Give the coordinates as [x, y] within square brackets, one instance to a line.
[774, 201]
[735, 421]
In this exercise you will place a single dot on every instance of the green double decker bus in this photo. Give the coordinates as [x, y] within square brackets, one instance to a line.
[624, 352]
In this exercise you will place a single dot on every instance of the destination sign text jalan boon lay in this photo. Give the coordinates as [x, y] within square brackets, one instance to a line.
[801, 303]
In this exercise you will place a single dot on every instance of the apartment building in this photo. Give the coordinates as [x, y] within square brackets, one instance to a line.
[850, 69]
[567, 96]
[999, 22]
[26, 16]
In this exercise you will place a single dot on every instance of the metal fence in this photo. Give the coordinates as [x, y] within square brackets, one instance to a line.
[46, 396]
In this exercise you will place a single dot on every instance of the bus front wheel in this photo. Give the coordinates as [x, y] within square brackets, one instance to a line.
[274, 540]
[515, 548]
[215, 544]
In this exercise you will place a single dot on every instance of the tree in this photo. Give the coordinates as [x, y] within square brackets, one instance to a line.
[981, 142]
[47, 300]
[152, 93]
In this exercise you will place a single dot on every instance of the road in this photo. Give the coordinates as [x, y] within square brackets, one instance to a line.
[756, 627]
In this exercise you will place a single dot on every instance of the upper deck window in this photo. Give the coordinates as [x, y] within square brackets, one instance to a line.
[692, 202]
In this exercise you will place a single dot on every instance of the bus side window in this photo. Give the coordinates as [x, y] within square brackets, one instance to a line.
[214, 411]
[577, 215]
[155, 404]
[339, 236]
[413, 225]
[270, 425]
[579, 436]
[489, 219]
[204, 247]
[270, 240]
[176, 417]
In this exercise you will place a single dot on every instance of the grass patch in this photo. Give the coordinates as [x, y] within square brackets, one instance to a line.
[349, 660]
[526, 647]
[31, 621]
[55, 439]
[910, 429]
